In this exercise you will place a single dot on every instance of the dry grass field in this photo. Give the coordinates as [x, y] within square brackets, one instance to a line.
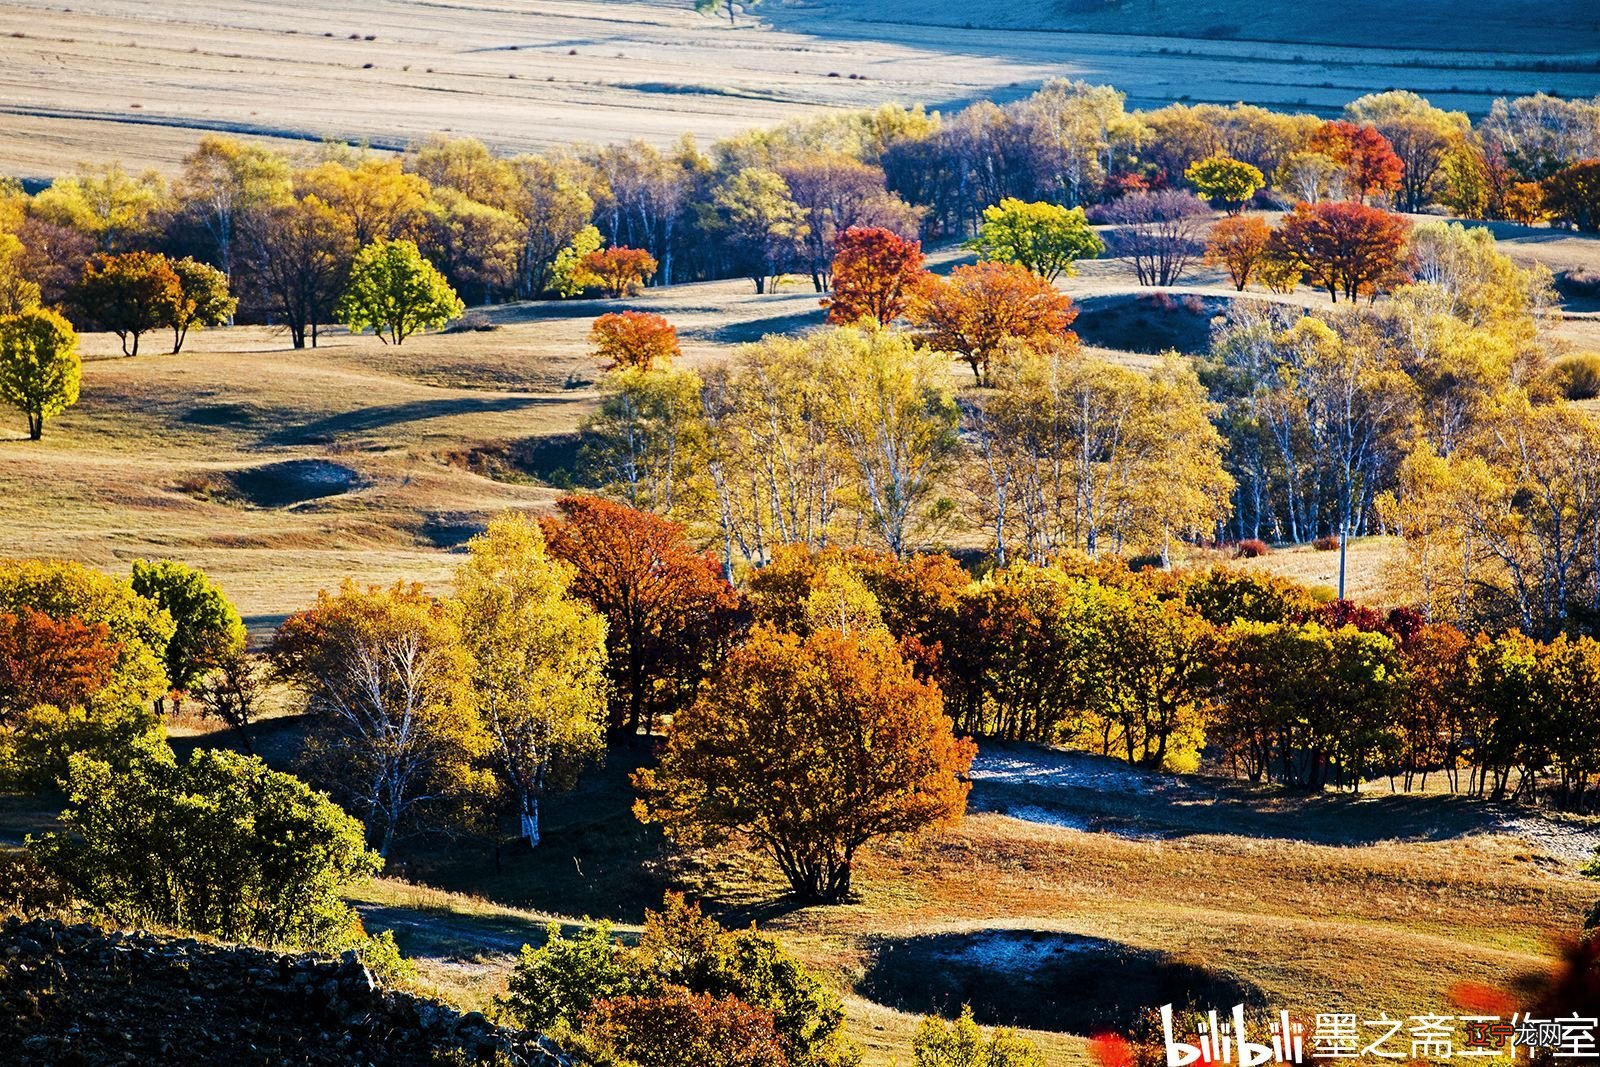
[1075, 891]
[102, 79]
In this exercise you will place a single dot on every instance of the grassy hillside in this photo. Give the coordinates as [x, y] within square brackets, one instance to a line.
[97, 79]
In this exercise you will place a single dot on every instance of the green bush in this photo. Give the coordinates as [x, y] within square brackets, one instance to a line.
[221, 845]
[562, 985]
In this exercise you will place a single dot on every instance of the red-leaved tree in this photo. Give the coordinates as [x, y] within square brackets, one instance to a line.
[1346, 247]
[875, 273]
[669, 612]
[45, 661]
[1371, 166]
[616, 271]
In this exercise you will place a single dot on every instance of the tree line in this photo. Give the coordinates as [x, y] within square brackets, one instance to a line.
[1445, 414]
[285, 232]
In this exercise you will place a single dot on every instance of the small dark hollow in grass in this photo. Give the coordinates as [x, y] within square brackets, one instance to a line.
[278, 485]
[449, 531]
[1043, 980]
[219, 414]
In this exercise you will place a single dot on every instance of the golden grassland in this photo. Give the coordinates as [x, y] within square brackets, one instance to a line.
[98, 79]
[1378, 903]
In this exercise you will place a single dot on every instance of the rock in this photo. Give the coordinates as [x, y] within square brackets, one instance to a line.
[86, 995]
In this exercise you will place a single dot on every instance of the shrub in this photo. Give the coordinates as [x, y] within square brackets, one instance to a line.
[635, 339]
[1576, 377]
[563, 986]
[963, 1044]
[1251, 548]
[221, 845]
[1326, 543]
[28, 887]
[682, 1029]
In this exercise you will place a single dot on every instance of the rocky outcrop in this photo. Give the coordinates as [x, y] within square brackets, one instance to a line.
[77, 994]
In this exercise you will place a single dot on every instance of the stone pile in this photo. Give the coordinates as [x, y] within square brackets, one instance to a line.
[77, 994]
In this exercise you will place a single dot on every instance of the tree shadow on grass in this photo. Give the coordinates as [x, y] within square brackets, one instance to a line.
[1043, 980]
[382, 416]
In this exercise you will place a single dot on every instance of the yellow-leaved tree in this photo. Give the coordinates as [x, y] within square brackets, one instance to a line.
[538, 662]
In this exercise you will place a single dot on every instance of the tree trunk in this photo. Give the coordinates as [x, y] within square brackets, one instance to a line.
[530, 820]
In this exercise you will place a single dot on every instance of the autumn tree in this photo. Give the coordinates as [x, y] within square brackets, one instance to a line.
[394, 733]
[837, 192]
[39, 365]
[617, 272]
[1370, 164]
[554, 209]
[1421, 135]
[376, 197]
[207, 627]
[129, 295]
[667, 608]
[1237, 245]
[761, 223]
[105, 203]
[103, 714]
[634, 339]
[223, 180]
[476, 246]
[234, 693]
[538, 662]
[1046, 239]
[297, 256]
[48, 661]
[1226, 182]
[978, 309]
[875, 275]
[1572, 195]
[1159, 232]
[811, 748]
[395, 292]
[18, 291]
[203, 299]
[891, 413]
[645, 441]
[1345, 247]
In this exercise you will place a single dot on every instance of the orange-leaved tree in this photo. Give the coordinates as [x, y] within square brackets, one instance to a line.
[979, 308]
[616, 271]
[1345, 247]
[875, 273]
[634, 339]
[811, 747]
[669, 612]
[1371, 166]
[61, 663]
[1237, 245]
[129, 295]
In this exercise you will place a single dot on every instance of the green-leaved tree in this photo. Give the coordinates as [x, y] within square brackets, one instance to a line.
[1043, 238]
[395, 292]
